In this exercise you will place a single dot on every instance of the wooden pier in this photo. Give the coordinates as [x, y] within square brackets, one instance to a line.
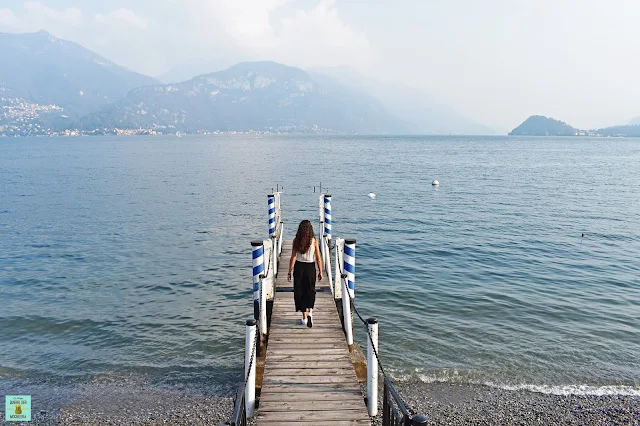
[308, 378]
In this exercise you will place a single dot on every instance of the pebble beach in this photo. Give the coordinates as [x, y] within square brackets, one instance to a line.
[442, 403]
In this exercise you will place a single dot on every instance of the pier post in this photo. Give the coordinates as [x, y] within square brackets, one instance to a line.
[281, 239]
[327, 235]
[250, 362]
[320, 242]
[338, 285]
[327, 215]
[372, 367]
[274, 255]
[262, 321]
[257, 255]
[346, 310]
[271, 202]
[350, 264]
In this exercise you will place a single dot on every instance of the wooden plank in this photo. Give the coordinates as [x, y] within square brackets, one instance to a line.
[312, 353]
[271, 378]
[342, 395]
[326, 338]
[301, 372]
[314, 416]
[310, 405]
[317, 347]
[312, 387]
[308, 365]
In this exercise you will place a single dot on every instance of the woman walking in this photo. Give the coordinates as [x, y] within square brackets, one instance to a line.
[304, 254]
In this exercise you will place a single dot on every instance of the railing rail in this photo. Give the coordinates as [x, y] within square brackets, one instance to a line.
[239, 408]
[394, 412]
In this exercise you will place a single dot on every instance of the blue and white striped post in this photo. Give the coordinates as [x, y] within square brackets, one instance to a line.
[257, 255]
[327, 215]
[271, 201]
[327, 237]
[350, 264]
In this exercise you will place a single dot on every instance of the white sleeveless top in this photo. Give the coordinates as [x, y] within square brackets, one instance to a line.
[309, 256]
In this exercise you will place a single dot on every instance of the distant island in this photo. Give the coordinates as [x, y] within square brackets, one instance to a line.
[539, 125]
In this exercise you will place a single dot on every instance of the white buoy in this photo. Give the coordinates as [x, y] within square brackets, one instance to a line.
[372, 195]
[435, 183]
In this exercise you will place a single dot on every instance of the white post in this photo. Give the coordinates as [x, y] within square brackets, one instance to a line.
[263, 309]
[274, 255]
[281, 239]
[249, 350]
[346, 310]
[338, 287]
[327, 262]
[372, 368]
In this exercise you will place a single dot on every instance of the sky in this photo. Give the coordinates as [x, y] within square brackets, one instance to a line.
[495, 61]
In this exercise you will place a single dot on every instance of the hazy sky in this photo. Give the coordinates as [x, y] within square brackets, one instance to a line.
[496, 61]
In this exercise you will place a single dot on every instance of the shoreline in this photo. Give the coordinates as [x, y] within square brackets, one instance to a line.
[134, 403]
[465, 404]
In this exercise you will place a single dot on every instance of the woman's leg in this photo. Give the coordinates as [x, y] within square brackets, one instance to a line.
[310, 285]
[298, 289]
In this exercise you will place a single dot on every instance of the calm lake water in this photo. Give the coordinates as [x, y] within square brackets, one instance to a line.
[130, 257]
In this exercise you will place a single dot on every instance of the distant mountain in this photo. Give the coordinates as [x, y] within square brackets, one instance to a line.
[41, 69]
[414, 106]
[538, 125]
[631, 131]
[249, 96]
[634, 121]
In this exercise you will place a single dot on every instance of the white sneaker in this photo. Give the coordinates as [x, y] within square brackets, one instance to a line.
[302, 322]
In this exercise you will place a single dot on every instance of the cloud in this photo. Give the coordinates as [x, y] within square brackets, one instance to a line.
[36, 11]
[8, 19]
[35, 16]
[278, 30]
[120, 17]
[177, 32]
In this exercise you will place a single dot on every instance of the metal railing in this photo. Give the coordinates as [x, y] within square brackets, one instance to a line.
[394, 412]
[239, 417]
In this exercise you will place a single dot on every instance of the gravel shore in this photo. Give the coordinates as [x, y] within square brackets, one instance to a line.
[444, 404]
[124, 404]
[454, 404]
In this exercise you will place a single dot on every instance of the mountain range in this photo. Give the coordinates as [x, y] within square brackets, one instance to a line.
[50, 86]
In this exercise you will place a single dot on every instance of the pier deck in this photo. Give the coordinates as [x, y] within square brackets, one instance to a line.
[308, 376]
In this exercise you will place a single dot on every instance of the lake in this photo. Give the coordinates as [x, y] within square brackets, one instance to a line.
[131, 257]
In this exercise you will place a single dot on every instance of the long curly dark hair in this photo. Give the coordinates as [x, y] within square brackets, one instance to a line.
[304, 236]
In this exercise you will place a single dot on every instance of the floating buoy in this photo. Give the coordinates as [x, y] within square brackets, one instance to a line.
[371, 195]
[435, 183]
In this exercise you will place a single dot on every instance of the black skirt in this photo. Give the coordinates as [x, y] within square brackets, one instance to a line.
[304, 285]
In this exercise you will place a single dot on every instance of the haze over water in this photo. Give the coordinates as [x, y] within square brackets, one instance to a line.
[131, 256]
